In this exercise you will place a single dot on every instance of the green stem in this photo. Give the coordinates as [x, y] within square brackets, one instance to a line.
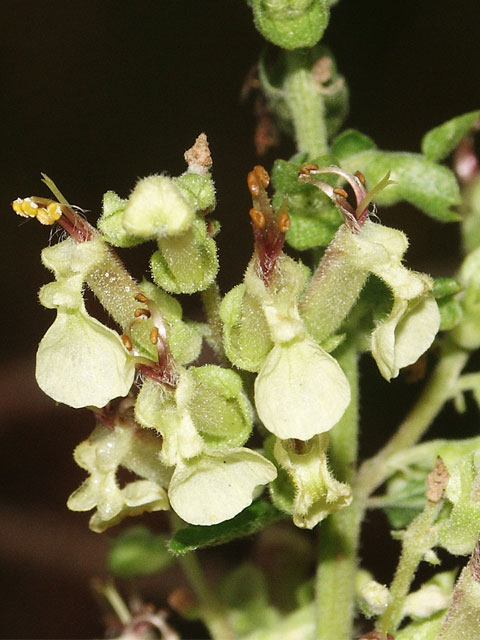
[211, 610]
[338, 538]
[211, 299]
[438, 390]
[418, 539]
[306, 106]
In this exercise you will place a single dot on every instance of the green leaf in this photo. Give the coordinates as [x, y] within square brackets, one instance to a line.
[439, 142]
[428, 186]
[445, 287]
[257, 516]
[314, 219]
[350, 142]
[138, 552]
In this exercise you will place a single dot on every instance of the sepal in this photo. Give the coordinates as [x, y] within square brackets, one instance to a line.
[187, 262]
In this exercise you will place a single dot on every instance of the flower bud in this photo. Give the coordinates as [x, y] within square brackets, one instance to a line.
[291, 23]
[156, 208]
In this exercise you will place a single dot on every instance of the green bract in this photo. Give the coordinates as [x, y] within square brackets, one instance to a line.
[215, 487]
[79, 361]
[198, 190]
[110, 222]
[156, 208]
[101, 455]
[467, 332]
[186, 262]
[291, 23]
[318, 494]
[459, 532]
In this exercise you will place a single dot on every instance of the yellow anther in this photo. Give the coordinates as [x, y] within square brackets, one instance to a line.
[46, 211]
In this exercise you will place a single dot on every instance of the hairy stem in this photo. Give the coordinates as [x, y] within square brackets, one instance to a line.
[306, 105]
[417, 541]
[211, 302]
[338, 538]
[211, 609]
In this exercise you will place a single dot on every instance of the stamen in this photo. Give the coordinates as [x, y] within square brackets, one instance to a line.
[361, 177]
[142, 313]
[46, 211]
[283, 222]
[127, 343]
[154, 335]
[258, 219]
[141, 297]
[262, 175]
[308, 169]
[340, 192]
[253, 185]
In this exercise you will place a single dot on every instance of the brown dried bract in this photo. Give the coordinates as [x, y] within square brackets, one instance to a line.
[198, 157]
[322, 70]
[437, 481]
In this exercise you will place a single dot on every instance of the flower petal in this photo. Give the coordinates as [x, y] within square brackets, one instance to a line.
[213, 488]
[82, 363]
[301, 390]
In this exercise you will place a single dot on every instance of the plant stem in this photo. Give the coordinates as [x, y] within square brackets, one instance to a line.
[418, 539]
[211, 609]
[306, 105]
[211, 303]
[338, 538]
[438, 390]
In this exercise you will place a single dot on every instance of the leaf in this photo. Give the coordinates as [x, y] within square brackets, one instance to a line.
[256, 517]
[138, 552]
[439, 142]
[349, 143]
[428, 186]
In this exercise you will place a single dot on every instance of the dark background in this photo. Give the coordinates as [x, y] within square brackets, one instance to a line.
[99, 93]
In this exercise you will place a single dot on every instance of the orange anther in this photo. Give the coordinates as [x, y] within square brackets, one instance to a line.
[253, 184]
[141, 297]
[283, 222]
[127, 343]
[258, 218]
[141, 313]
[307, 169]
[262, 175]
[360, 176]
[341, 192]
[154, 335]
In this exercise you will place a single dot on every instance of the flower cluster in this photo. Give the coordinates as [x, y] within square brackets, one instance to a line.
[185, 430]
